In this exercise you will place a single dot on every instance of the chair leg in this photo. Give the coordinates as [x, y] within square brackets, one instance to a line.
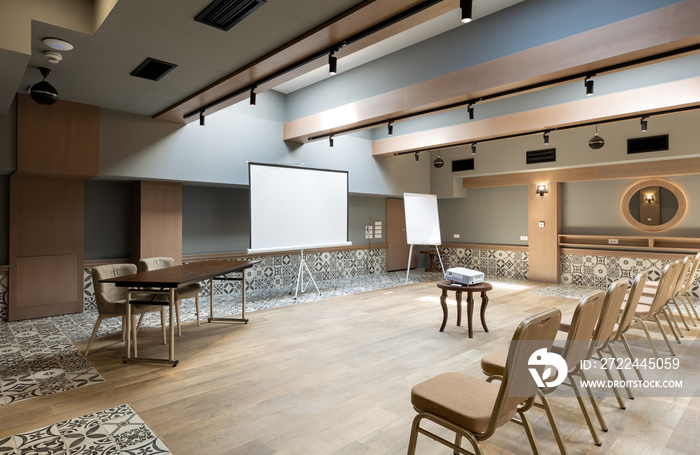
[124, 328]
[94, 332]
[688, 304]
[594, 403]
[177, 315]
[646, 332]
[553, 424]
[680, 313]
[632, 356]
[162, 323]
[584, 411]
[690, 301]
[530, 433]
[620, 403]
[134, 331]
[663, 333]
[672, 323]
[621, 371]
[196, 304]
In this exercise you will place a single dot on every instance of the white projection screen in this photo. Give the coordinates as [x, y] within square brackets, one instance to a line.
[422, 221]
[296, 207]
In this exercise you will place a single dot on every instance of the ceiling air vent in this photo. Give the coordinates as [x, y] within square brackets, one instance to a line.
[647, 144]
[541, 156]
[224, 14]
[463, 165]
[153, 69]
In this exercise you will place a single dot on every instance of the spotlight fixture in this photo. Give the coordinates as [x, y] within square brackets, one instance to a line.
[546, 137]
[649, 198]
[596, 141]
[201, 118]
[42, 92]
[643, 123]
[466, 6]
[588, 83]
[252, 96]
[417, 157]
[390, 128]
[439, 162]
[474, 148]
[541, 189]
[330, 140]
[332, 63]
[470, 111]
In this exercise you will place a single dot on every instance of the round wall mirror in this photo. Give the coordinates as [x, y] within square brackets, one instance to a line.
[653, 205]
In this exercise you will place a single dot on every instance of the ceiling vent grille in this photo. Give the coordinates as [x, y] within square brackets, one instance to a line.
[541, 156]
[224, 14]
[153, 69]
[647, 144]
[463, 165]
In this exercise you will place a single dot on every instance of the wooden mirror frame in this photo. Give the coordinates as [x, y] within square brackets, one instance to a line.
[680, 196]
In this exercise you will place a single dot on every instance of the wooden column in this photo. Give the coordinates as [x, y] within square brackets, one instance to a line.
[157, 220]
[57, 149]
[544, 222]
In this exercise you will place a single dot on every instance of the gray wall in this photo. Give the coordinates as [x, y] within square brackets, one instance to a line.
[486, 215]
[594, 208]
[364, 211]
[107, 220]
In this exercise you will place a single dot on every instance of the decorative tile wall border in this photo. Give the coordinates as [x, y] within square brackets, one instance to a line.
[600, 271]
[281, 271]
[505, 263]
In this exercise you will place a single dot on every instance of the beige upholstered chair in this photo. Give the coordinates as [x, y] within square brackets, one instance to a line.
[687, 292]
[111, 301]
[577, 347]
[185, 292]
[626, 318]
[473, 408]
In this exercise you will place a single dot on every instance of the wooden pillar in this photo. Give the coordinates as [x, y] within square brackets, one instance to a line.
[157, 220]
[544, 222]
[58, 148]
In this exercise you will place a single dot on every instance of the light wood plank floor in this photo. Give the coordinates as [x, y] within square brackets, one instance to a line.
[334, 377]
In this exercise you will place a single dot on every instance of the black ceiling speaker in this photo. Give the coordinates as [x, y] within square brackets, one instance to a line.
[43, 92]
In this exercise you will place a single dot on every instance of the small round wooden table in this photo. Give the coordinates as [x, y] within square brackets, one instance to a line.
[483, 287]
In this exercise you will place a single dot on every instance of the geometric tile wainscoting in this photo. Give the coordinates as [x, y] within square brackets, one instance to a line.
[600, 271]
[492, 262]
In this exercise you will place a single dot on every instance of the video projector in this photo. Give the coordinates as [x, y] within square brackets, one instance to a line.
[464, 276]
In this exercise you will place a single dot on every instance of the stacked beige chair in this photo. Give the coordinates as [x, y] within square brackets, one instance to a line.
[473, 408]
[185, 292]
[657, 305]
[577, 347]
[626, 318]
[111, 301]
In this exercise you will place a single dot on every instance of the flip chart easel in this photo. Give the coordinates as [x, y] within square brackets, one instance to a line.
[422, 224]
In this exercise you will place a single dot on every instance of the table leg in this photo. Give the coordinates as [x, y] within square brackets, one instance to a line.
[458, 298]
[484, 303]
[242, 318]
[443, 304]
[171, 305]
[243, 296]
[470, 309]
[128, 327]
[211, 299]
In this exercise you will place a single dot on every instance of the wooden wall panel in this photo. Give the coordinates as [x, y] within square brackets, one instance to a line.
[60, 140]
[157, 220]
[46, 246]
[543, 240]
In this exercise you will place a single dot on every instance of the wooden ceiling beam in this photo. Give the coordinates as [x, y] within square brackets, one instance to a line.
[650, 34]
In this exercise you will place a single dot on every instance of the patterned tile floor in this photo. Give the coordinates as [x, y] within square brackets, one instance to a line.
[112, 431]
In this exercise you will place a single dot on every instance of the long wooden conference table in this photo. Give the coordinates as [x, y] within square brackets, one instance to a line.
[150, 286]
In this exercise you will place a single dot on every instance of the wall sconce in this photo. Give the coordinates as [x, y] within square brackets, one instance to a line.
[541, 189]
[649, 198]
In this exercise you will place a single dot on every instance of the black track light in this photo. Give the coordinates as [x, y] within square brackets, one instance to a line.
[546, 137]
[390, 128]
[643, 123]
[252, 96]
[417, 157]
[330, 141]
[466, 6]
[201, 118]
[588, 82]
[474, 148]
[332, 63]
[470, 111]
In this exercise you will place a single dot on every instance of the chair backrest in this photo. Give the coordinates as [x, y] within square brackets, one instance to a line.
[614, 297]
[583, 323]
[533, 333]
[155, 263]
[691, 275]
[623, 324]
[107, 294]
[680, 281]
[668, 278]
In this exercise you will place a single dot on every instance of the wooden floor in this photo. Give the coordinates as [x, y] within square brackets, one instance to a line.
[334, 377]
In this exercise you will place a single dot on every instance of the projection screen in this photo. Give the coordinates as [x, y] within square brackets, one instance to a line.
[296, 207]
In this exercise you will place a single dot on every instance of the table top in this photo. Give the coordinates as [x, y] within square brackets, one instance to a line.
[179, 275]
[450, 286]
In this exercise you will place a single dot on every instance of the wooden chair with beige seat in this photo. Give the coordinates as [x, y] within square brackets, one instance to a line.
[626, 318]
[185, 292]
[111, 301]
[657, 305]
[687, 292]
[576, 347]
[473, 408]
